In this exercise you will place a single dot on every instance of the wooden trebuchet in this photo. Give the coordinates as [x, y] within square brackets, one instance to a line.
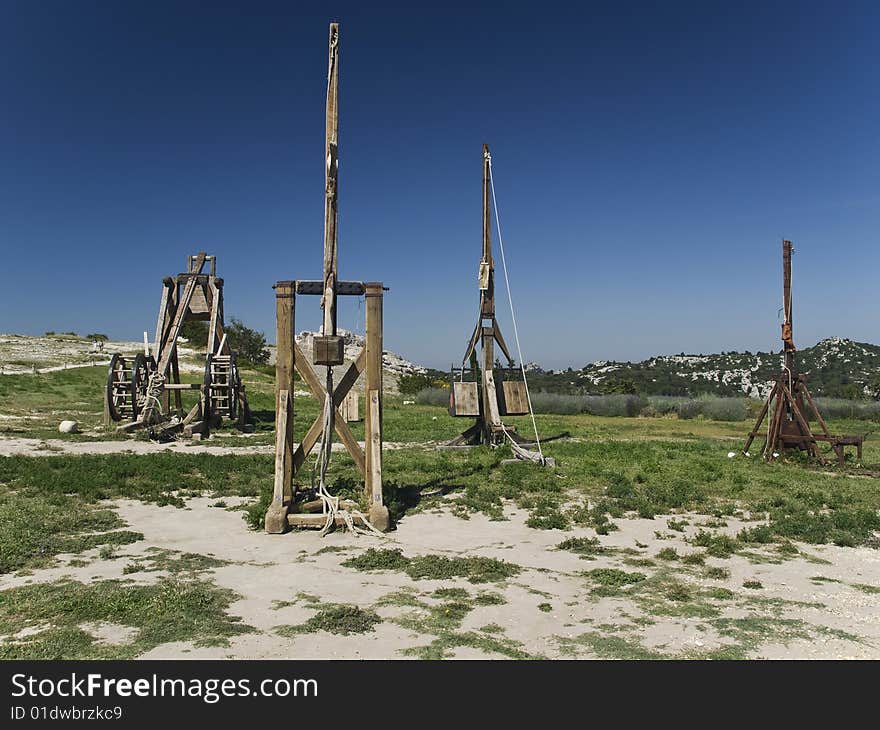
[294, 505]
[789, 426]
[479, 396]
[139, 391]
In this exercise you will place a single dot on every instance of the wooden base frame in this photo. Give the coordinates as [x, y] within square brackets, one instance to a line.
[290, 456]
[788, 426]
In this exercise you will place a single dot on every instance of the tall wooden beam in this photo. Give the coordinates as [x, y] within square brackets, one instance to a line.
[373, 420]
[331, 193]
[787, 325]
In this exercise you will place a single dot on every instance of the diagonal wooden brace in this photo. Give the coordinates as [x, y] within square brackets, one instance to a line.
[320, 393]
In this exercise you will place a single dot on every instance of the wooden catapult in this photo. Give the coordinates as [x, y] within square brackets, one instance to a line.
[314, 507]
[139, 390]
[789, 427]
[481, 399]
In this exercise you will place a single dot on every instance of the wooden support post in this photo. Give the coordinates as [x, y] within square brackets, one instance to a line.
[108, 419]
[285, 303]
[373, 421]
[276, 516]
[175, 378]
[758, 422]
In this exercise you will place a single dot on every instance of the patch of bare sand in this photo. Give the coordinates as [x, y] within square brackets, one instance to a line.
[110, 633]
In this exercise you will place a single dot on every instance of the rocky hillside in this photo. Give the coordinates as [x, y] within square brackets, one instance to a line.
[393, 365]
[837, 368]
[391, 362]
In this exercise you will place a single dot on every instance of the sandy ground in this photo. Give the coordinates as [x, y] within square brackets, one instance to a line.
[17, 446]
[265, 569]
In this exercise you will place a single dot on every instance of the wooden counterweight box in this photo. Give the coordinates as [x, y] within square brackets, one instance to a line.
[514, 401]
[328, 350]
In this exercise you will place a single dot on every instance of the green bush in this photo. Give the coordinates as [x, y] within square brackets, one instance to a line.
[414, 383]
[433, 397]
[248, 344]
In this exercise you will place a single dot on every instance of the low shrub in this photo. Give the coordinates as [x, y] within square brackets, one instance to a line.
[433, 397]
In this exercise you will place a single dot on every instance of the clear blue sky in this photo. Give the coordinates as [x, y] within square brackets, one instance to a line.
[648, 159]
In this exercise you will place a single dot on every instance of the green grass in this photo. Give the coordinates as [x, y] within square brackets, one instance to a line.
[668, 553]
[865, 588]
[339, 618]
[605, 645]
[586, 547]
[717, 573]
[434, 567]
[643, 466]
[614, 578]
[169, 610]
[35, 527]
[443, 620]
[53, 504]
[172, 562]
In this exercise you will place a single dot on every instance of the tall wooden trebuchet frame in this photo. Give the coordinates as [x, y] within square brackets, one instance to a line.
[788, 426]
[488, 427]
[288, 507]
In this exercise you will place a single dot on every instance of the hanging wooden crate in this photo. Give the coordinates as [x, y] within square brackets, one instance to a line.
[464, 399]
[514, 401]
[328, 350]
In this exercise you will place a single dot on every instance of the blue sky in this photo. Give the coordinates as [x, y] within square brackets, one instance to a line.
[648, 159]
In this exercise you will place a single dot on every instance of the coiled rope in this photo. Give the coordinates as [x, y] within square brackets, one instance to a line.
[329, 503]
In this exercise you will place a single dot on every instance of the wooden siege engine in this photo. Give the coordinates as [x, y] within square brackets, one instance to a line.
[474, 391]
[789, 426]
[139, 391]
[313, 506]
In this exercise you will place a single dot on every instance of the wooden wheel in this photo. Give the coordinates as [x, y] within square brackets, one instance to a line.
[140, 378]
[119, 391]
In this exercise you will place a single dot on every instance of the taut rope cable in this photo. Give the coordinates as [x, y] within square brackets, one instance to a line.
[512, 313]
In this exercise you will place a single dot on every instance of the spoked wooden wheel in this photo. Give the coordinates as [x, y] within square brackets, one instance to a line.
[140, 379]
[120, 398]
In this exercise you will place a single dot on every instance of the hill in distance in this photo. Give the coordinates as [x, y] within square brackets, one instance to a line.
[836, 367]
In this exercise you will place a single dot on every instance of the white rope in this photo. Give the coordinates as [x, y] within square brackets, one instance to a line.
[155, 388]
[330, 503]
[512, 313]
[521, 452]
